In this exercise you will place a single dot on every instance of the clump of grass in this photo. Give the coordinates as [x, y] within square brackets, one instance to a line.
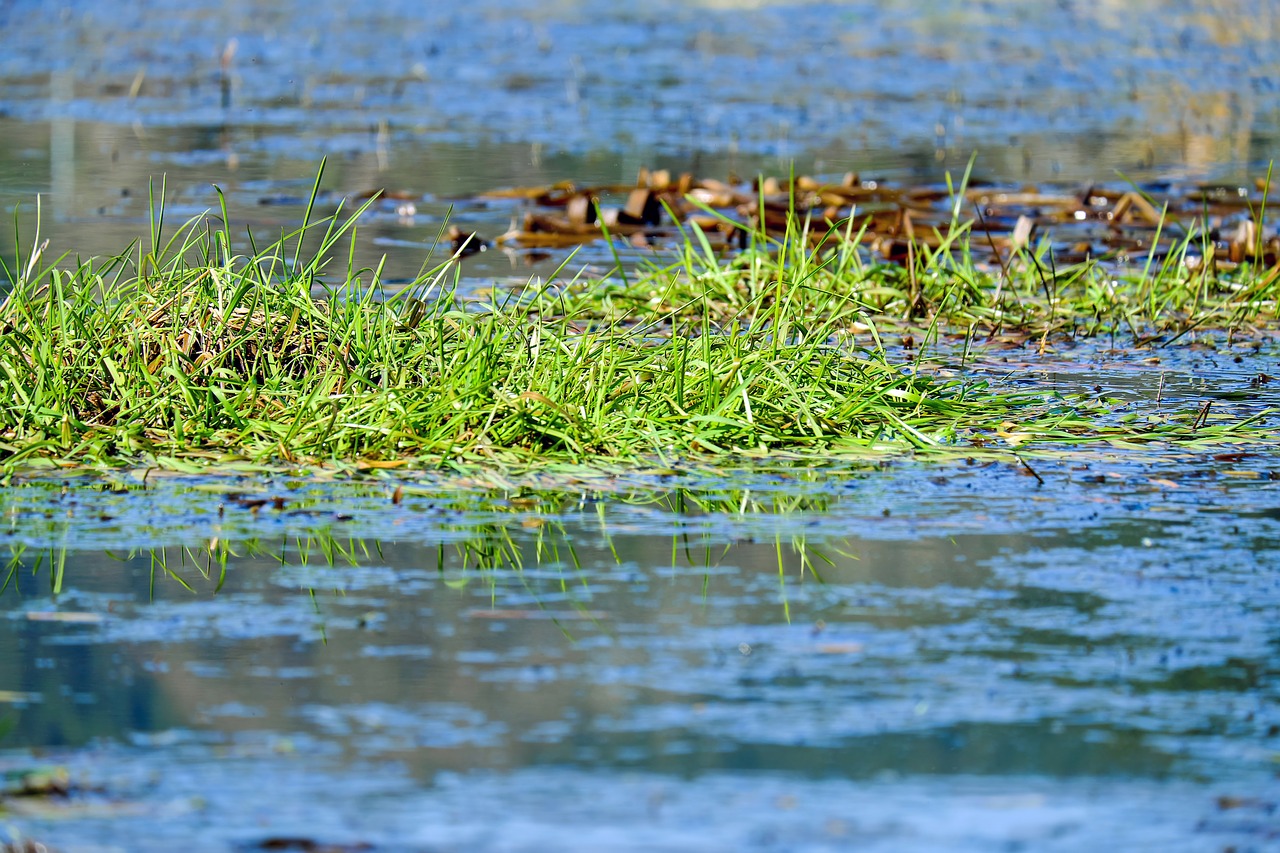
[187, 351]
[954, 275]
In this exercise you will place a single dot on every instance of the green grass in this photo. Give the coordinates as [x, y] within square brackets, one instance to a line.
[182, 352]
[813, 270]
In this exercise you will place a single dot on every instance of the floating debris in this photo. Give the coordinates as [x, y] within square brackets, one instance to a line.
[69, 616]
[1204, 222]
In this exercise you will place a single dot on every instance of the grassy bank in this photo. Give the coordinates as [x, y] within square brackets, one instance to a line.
[180, 349]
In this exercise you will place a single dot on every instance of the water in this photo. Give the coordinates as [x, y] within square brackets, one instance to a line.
[901, 658]
[907, 656]
[96, 100]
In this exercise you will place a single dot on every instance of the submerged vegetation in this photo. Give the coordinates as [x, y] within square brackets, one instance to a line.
[185, 352]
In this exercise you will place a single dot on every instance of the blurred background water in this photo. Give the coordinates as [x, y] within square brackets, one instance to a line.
[439, 100]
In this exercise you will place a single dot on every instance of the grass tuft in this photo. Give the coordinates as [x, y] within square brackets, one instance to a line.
[185, 351]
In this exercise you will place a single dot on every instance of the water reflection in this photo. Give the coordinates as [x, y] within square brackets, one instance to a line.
[791, 629]
[501, 645]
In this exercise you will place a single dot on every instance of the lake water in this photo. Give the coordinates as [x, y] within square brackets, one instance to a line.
[908, 656]
[97, 100]
[905, 658]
